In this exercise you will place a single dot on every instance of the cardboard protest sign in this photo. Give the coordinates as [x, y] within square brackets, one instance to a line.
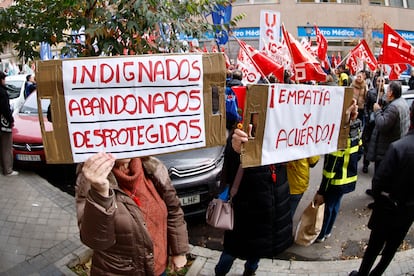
[294, 121]
[132, 105]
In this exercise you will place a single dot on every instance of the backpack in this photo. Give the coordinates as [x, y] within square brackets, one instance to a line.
[232, 114]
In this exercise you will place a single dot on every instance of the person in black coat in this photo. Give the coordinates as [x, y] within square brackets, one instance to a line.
[6, 124]
[262, 220]
[393, 210]
[371, 99]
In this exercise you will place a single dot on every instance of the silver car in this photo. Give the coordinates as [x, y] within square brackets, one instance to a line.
[195, 175]
[408, 95]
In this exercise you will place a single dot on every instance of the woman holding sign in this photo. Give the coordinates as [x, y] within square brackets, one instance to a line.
[129, 214]
[262, 221]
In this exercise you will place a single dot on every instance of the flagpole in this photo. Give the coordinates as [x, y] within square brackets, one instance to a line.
[251, 59]
[382, 77]
[343, 59]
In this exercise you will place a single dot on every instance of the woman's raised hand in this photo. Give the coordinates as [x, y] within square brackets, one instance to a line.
[96, 169]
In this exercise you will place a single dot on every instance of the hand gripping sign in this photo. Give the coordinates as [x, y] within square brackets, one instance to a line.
[132, 105]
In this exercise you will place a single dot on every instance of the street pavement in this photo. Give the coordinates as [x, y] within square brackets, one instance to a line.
[39, 235]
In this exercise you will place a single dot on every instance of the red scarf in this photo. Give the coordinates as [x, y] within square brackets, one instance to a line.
[129, 179]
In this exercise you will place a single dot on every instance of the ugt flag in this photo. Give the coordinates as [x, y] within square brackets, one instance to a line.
[395, 49]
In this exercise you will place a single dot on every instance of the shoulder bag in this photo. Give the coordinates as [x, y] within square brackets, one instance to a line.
[219, 212]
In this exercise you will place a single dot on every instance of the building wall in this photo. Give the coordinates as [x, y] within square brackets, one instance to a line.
[296, 15]
[327, 14]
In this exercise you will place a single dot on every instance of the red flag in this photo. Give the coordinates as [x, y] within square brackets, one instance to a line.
[395, 49]
[352, 64]
[338, 58]
[396, 70]
[226, 57]
[264, 64]
[244, 63]
[363, 52]
[360, 54]
[205, 49]
[333, 61]
[322, 44]
[306, 67]
[308, 47]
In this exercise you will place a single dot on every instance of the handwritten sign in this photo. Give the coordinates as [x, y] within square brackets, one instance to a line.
[269, 29]
[295, 121]
[132, 105]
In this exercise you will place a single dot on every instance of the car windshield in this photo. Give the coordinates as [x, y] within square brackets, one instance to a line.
[30, 105]
[13, 88]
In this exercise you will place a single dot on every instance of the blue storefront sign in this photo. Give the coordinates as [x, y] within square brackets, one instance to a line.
[407, 35]
[240, 33]
[334, 32]
[247, 33]
[328, 32]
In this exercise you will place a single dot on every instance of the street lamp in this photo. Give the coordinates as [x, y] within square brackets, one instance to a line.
[308, 30]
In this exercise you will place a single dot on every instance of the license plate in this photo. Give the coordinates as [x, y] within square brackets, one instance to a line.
[28, 157]
[189, 200]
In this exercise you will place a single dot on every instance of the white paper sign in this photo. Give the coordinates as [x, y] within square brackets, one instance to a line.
[134, 106]
[269, 29]
[301, 121]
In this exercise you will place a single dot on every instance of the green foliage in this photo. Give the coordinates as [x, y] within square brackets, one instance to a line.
[110, 26]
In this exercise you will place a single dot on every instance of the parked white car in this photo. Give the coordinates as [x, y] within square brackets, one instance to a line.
[15, 87]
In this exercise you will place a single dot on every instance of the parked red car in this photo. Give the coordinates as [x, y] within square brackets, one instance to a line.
[27, 136]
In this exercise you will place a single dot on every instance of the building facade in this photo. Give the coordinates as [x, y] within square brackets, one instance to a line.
[342, 22]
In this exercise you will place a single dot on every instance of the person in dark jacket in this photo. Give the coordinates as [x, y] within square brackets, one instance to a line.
[129, 214]
[262, 220]
[339, 174]
[6, 124]
[393, 210]
[30, 85]
[411, 79]
[391, 123]
[374, 95]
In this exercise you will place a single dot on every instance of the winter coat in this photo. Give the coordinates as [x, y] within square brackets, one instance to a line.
[361, 94]
[298, 174]
[262, 219]
[115, 229]
[340, 168]
[369, 117]
[6, 115]
[394, 177]
[391, 123]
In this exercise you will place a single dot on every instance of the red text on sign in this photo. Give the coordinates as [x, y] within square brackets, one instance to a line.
[304, 136]
[140, 135]
[168, 102]
[150, 71]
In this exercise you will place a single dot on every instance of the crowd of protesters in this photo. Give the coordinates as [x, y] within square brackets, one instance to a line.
[379, 117]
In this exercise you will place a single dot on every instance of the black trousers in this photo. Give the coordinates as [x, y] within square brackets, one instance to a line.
[386, 239]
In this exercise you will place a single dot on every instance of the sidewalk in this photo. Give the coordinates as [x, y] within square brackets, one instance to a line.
[39, 236]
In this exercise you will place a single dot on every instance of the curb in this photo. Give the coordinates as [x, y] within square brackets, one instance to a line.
[206, 259]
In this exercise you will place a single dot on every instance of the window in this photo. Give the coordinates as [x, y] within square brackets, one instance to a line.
[377, 2]
[242, 2]
[410, 4]
[330, 1]
[396, 3]
[264, 1]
